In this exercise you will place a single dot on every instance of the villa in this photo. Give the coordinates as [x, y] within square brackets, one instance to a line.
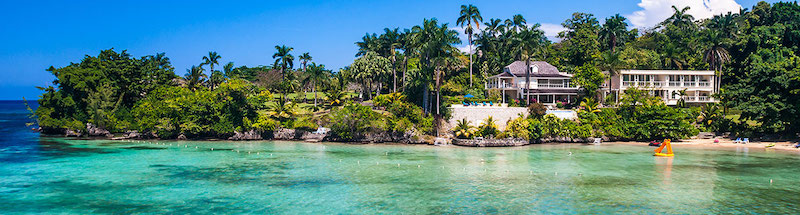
[547, 84]
[697, 85]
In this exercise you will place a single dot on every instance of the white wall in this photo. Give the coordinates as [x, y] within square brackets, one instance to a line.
[476, 115]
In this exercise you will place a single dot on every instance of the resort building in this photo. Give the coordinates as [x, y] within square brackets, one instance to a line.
[547, 84]
[697, 86]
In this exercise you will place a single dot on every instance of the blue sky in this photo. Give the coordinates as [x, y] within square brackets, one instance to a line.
[37, 35]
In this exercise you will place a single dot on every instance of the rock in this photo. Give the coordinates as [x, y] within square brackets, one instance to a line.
[441, 141]
[134, 134]
[72, 133]
[249, 135]
[181, 137]
[313, 137]
[93, 130]
[705, 135]
[286, 134]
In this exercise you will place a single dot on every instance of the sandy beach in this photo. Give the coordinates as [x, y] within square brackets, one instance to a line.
[726, 143]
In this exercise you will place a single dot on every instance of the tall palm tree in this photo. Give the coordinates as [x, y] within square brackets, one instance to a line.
[315, 74]
[612, 63]
[519, 22]
[715, 54]
[304, 59]
[613, 31]
[527, 42]
[391, 40]
[194, 76]
[434, 42]
[680, 18]
[227, 69]
[283, 58]
[368, 43]
[211, 60]
[493, 26]
[469, 15]
[672, 57]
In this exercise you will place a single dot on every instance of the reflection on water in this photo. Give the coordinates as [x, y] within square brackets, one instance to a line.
[79, 176]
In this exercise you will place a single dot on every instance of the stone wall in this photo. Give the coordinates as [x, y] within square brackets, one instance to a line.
[476, 114]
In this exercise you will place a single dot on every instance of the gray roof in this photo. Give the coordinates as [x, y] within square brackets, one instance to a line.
[545, 69]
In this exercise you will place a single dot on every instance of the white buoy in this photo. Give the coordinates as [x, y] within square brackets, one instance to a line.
[359, 162]
[212, 149]
[195, 147]
[556, 173]
[770, 181]
[570, 153]
[398, 165]
[418, 166]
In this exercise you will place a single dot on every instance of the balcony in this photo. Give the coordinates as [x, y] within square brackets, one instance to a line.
[689, 83]
[674, 83]
[552, 86]
[499, 86]
[703, 84]
[697, 99]
[643, 84]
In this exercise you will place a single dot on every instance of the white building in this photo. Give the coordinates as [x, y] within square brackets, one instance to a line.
[667, 84]
[547, 84]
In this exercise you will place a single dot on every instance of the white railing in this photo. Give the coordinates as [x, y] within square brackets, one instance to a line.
[703, 84]
[499, 86]
[689, 84]
[674, 83]
[697, 98]
[552, 86]
[643, 83]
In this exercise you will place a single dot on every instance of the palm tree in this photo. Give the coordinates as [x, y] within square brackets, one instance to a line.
[613, 31]
[391, 40]
[194, 76]
[316, 73]
[283, 58]
[493, 26]
[715, 54]
[589, 105]
[612, 63]
[681, 97]
[680, 18]
[469, 15]
[519, 22]
[304, 59]
[368, 43]
[672, 58]
[463, 129]
[282, 110]
[527, 42]
[211, 60]
[228, 69]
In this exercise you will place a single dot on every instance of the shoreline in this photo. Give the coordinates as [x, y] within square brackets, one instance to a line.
[706, 143]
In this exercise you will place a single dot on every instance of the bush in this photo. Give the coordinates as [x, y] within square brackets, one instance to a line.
[488, 128]
[536, 110]
[354, 120]
[517, 128]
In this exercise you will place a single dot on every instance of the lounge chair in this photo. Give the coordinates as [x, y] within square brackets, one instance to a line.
[745, 141]
[465, 104]
[797, 146]
[597, 141]
[484, 103]
[475, 103]
[491, 104]
[738, 140]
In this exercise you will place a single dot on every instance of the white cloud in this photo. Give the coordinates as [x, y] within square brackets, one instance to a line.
[656, 11]
[552, 30]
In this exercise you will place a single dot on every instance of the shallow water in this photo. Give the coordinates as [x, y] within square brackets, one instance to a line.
[57, 175]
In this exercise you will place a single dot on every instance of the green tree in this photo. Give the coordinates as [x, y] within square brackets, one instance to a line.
[469, 15]
[304, 59]
[614, 32]
[589, 78]
[194, 77]
[580, 40]
[211, 60]
[315, 74]
[283, 58]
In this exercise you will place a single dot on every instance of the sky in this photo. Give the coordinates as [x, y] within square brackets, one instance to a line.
[38, 34]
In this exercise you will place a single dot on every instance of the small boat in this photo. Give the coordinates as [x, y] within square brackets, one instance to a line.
[654, 143]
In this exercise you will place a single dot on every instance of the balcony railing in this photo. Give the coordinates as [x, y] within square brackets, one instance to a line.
[703, 84]
[697, 98]
[499, 86]
[642, 84]
[552, 86]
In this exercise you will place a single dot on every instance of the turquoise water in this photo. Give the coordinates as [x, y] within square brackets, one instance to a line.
[57, 175]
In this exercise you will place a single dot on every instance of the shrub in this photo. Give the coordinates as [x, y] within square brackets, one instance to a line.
[516, 128]
[354, 120]
[464, 130]
[536, 110]
[488, 128]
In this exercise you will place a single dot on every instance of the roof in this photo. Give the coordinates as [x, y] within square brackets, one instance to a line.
[544, 69]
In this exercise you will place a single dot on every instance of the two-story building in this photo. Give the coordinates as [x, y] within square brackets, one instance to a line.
[546, 84]
[693, 86]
